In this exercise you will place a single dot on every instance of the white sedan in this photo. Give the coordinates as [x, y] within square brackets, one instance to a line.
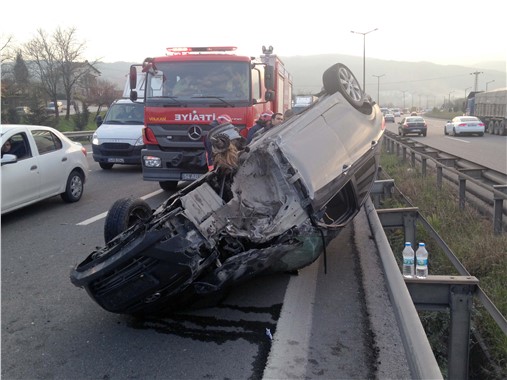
[461, 125]
[40, 162]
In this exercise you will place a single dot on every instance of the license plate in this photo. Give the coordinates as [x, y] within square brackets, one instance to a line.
[416, 130]
[190, 176]
[116, 160]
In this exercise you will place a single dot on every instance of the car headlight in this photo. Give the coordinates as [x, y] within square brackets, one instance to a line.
[95, 139]
[152, 162]
[139, 141]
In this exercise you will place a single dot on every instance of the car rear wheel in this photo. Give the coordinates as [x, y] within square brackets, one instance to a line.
[124, 213]
[106, 166]
[445, 131]
[74, 188]
[339, 78]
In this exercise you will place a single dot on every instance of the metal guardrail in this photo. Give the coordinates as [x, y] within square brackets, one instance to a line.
[422, 362]
[459, 288]
[79, 135]
[469, 180]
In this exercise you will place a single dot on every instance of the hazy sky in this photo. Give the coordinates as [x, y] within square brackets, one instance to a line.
[440, 31]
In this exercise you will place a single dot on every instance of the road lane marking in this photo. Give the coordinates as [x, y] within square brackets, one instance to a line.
[455, 138]
[103, 215]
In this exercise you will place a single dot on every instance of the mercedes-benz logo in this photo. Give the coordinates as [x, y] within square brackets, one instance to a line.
[194, 132]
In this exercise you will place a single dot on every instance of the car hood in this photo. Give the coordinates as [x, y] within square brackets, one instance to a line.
[116, 132]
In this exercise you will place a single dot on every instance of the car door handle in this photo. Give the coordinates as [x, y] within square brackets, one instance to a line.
[346, 167]
[34, 167]
[64, 159]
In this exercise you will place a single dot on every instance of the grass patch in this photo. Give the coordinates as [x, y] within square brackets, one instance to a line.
[470, 236]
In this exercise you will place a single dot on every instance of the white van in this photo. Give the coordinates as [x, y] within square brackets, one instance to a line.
[119, 137]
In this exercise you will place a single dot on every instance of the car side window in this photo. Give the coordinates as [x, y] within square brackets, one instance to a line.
[46, 141]
[18, 146]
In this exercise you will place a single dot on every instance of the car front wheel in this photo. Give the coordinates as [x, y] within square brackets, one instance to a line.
[74, 188]
[106, 166]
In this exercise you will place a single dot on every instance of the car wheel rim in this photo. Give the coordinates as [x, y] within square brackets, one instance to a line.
[76, 186]
[350, 85]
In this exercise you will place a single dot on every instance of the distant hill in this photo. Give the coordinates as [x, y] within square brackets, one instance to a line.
[423, 83]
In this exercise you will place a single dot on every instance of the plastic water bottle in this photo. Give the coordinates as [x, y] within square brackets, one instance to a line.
[421, 266]
[408, 260]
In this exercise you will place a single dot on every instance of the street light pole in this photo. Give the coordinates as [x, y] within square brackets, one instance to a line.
[364, 55]
[378, 87]
[403, 99]
[491, 81]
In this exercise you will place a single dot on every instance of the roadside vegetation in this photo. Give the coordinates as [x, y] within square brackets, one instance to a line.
[470, 236]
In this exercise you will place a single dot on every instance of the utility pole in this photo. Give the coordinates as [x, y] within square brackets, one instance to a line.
[491, 81]
[476, 73]
[378, 87]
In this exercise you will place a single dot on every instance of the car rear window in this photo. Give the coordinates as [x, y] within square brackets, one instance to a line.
[415, 120]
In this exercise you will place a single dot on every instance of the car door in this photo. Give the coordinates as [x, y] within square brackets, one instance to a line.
[21, 179]
[53, 163]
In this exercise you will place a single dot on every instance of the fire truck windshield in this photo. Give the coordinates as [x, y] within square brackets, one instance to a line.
[213, 81]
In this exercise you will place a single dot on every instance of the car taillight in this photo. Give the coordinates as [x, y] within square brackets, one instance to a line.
[149, 137]
[481, 124]
[83, 149]
[462, 125]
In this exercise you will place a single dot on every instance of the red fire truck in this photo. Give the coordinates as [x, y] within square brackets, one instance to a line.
[187, 89]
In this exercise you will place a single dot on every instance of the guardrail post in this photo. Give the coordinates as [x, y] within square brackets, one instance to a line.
[412, 158]
[498, 208]
[423, 165]
[462, 192]
[459, 348]
[438, 293]
[440, 175]
[404, 149]
[382, 187]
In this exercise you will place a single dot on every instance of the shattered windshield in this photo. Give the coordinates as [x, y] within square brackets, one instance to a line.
[216, 81]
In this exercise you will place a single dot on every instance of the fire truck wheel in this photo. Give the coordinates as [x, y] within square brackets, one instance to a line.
[339, 78]
[125, 212]
[168, 185]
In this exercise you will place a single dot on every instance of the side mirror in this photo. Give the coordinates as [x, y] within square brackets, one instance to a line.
[99, 121]
[133, 95]
[269, 77]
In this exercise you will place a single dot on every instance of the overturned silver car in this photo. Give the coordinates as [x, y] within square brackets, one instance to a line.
[295, 188]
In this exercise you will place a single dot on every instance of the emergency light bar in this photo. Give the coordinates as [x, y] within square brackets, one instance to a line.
[186, 50]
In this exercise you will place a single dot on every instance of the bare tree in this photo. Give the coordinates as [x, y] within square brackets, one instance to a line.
[103, 93]
[6, 49]
[44, 55]
[73, 66]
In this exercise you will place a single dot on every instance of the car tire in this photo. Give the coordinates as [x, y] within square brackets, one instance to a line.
[124, 213]
[481, 134]
[454, 132]
[168, 185]
[339, 78]
[106, 166]
[74, 187]
[445, 131]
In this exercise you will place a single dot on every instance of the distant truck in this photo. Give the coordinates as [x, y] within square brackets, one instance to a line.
[302, 102]
[491, 108]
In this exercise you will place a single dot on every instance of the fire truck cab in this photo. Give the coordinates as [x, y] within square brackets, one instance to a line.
[188, 89]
